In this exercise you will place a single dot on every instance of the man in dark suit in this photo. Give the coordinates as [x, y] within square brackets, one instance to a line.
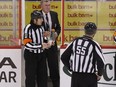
[50, 23]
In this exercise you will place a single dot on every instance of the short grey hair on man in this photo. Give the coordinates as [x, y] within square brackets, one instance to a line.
[44, 1]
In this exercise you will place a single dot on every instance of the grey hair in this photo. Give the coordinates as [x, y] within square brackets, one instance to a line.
[44, 1]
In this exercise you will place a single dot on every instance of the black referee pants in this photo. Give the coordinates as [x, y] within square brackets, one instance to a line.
[35, 69]
[83, 80]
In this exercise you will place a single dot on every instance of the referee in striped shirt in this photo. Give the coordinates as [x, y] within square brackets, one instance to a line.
[35, 62]
[85, 59]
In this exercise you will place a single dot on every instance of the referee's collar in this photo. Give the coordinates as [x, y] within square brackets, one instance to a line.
[88, 37]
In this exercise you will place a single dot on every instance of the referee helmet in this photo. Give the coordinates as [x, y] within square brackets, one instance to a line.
[90, 28]
[36, 14]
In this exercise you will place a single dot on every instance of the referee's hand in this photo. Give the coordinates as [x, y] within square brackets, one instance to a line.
[46, 45]
[98, 77]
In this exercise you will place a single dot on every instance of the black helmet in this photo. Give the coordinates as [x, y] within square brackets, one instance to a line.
[90, 28]
[36, 14]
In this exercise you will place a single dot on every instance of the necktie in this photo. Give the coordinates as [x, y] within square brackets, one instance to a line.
[47, 23]
[47, 17]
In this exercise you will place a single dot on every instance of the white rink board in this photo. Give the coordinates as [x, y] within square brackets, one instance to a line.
[107, 80]
[10, 67]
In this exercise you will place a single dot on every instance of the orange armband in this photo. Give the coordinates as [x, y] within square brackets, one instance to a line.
[27, 40]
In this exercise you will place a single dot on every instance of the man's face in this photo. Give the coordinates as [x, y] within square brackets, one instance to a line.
[45, 6]
[38, 21]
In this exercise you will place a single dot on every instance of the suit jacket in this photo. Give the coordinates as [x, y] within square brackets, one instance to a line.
[55, 25]
[55, 22]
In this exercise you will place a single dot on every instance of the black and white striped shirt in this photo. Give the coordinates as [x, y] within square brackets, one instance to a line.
[34, 33]
[83, 55]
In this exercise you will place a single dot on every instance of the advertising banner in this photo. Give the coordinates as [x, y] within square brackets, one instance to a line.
[10, 67]
[109, 76]
[6, 15]
[9, 21]
[77, 14]
[103, 37]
